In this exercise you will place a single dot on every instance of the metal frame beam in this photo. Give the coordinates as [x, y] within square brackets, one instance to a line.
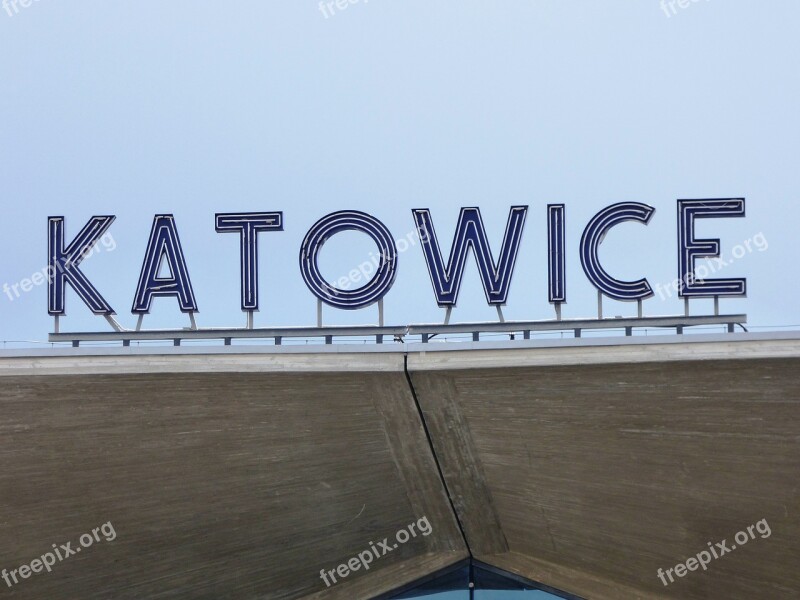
[425, 331]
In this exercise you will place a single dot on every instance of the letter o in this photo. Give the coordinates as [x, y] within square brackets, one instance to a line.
[742, 542]
[91, 540]
[405, 534]
[328, 226]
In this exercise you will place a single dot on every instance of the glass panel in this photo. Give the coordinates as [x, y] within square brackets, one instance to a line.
[459, 595]
[451, 586]
[514, 595]
[493, 586]
[489, 585]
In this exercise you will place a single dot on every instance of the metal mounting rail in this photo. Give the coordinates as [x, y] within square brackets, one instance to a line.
[399, 333]
[577, 325]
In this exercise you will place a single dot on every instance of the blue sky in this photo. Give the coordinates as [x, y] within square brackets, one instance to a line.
[193, 108]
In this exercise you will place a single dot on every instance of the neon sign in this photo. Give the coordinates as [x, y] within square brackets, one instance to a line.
[446, 274]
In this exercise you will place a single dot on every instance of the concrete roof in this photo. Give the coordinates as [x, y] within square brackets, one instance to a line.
[240, 472]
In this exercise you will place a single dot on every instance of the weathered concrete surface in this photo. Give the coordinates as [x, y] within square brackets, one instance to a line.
[223, 476]
[241, 473]
[597, 466]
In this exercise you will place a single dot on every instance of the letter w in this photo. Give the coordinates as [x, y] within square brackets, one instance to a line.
[471, 235]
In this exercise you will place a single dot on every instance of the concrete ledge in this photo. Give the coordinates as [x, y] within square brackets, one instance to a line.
[599, 466]
[240, 483]
[149, 363]
[240, 472]
[657, 349]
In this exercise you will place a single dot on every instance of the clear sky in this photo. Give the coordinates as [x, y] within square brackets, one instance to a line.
[195, 107]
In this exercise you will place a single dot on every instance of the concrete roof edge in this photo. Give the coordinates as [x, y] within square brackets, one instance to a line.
[218, 362]
[604, 351]
[389, 357]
